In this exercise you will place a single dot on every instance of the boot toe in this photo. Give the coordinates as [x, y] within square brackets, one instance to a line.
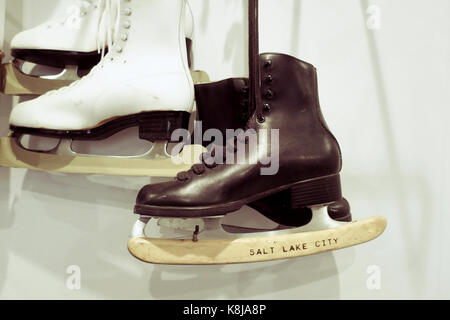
[25, 115]
[30, 39]
[54, 112]
[154, 195]
[21, 40]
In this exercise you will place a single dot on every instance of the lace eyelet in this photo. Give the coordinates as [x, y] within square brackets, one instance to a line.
[269, 94]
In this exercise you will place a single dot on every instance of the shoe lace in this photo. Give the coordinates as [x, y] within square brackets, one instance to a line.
[209, 159]
[108, 25]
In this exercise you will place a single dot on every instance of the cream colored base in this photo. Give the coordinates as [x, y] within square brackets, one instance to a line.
[226, 251]
[11, 155]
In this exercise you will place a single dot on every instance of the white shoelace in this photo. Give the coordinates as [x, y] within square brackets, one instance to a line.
[108, 26]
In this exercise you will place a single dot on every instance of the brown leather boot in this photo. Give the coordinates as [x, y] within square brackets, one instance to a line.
[224, 105]
[309, 155]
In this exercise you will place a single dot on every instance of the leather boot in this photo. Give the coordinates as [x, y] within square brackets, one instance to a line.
[309, 155]
[224, 105]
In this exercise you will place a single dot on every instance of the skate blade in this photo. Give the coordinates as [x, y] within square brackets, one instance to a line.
[15, 82]
[12, 155]
[260, 247]
[249, 220]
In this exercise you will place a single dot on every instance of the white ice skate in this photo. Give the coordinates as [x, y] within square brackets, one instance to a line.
[143, 80]
[58, 52]
[50, 55]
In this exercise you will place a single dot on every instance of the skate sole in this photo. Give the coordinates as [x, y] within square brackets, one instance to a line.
[306, 193]
[246, 250]
[153, 126]
[58, 58]
[12, 155]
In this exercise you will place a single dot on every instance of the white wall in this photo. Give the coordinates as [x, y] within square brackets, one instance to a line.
[384, 93]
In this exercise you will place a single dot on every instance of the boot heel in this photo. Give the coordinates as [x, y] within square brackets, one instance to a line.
[316, 192]
[159, 126]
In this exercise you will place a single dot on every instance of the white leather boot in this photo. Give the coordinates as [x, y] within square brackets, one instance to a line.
[77, 39]
[143, 80]
[74, 39]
